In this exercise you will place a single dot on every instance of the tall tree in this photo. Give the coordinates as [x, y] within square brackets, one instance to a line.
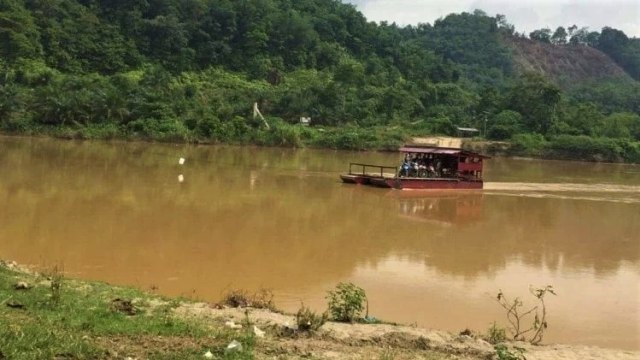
[559, 37]
[19, 36]
[542, 35]
[536, 99]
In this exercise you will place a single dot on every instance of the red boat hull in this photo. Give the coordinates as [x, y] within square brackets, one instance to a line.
[425, 184]
[412, 183]
[355, 179]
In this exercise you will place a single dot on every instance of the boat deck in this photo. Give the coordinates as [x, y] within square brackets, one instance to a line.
[365, 176]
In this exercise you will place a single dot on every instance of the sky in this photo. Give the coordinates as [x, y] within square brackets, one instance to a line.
[525, 15]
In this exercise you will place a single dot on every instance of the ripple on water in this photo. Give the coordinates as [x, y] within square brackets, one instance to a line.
[629, 194]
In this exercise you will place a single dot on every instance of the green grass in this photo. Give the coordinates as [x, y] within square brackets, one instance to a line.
[82, 324]
[58, 318]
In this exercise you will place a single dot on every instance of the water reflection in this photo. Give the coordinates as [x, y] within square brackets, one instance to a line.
[281, 219]
[441, 208]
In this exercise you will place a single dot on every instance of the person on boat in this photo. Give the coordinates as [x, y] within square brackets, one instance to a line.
[422, 166]
[431, 171]
[405, 167]
[415, 167]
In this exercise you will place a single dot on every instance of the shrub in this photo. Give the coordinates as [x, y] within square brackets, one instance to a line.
[630, 150]
[100, 131]
[202, 126]
[281, 134]
[16, 124]
[262, 299]
[346, 302]
[527, 144]
[505, 125]
[496, 334]
[56, 278]
[308, 320]
[584, 148]
[516, 315]
[34, 72]
[443, 126]
[350, 140]
[165, 129]
[236, 299]
[504, 353]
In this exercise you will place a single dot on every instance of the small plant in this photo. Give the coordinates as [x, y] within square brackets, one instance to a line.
[496, 335]
[346, 302]
[515, 315]
[308, 320]
[262, 299]
[504, 353]
[236, 299]
[124, 306]
[56, 277]
[246, 321]
[388, 354]
[165, 311]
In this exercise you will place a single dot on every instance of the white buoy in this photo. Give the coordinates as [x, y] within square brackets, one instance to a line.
[180, 178]
[181, 161]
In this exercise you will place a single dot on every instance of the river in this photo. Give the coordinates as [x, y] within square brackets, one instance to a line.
[280, 219]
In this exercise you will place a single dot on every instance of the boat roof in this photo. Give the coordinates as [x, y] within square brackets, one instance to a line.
[421, 149]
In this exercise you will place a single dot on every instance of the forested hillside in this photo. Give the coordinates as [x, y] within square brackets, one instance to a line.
[191, 70]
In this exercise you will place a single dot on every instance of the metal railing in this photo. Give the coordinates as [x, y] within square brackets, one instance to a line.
[378, 169]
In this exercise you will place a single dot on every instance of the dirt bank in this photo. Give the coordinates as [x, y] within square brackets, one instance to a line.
[363, 341]
[97, 321]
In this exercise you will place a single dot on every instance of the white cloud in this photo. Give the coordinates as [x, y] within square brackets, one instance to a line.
[526, 15]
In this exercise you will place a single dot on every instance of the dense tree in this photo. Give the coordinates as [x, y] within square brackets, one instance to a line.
[622, 49]
[622, 125]
[579, 36]
[504, 25]
[579, 119]
[610, 96]
[543, 35]
[536, 99]
[471, 40]
[559, 37]
[504, 125]
[191, 70]
[19, 38]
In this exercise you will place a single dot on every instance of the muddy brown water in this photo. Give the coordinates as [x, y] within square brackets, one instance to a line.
[252, 218]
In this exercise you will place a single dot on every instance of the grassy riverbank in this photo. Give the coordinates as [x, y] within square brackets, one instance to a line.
[281, 134]
[240, 132]
[58, 318]
[46, 316]
[50, 317]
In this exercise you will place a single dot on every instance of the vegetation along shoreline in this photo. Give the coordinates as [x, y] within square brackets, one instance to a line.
[46, 315]
[205, 72]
